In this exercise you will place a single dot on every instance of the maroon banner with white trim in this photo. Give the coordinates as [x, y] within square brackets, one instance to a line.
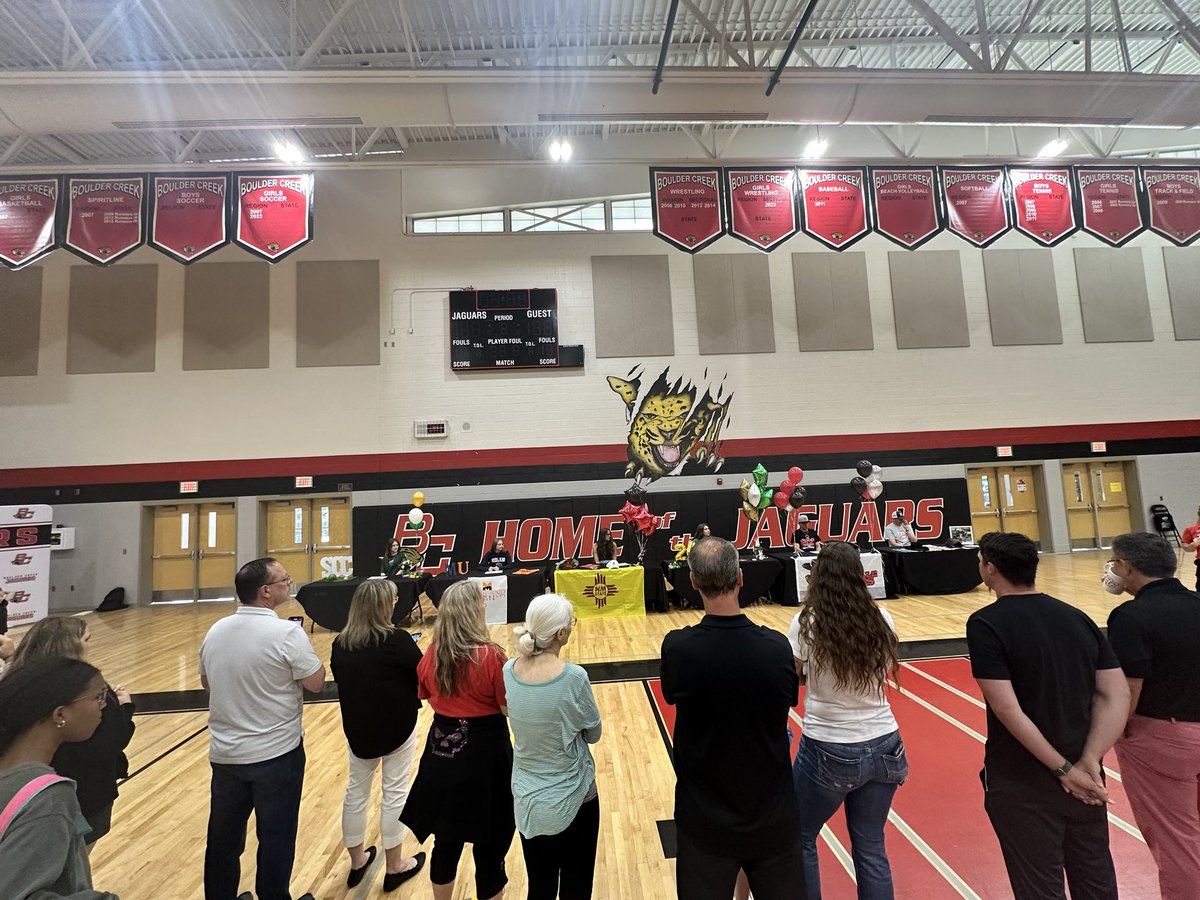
[1042, 206]
[1110, 203]
[273, 212]
[188, 215]
[688, 212]
[761, 206]
[905, 205]
[1173, 203]
[105, 216]
[976, 210]
[28, 214]
[834, 205]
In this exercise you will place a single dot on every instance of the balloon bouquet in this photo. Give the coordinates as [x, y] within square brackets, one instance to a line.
[756, 496]
[867, 483]
[636, 512]
[415, 516]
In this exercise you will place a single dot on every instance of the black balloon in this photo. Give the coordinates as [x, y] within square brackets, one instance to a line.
[796, 500]
[858, 483]
[636, 495]
[864, 468]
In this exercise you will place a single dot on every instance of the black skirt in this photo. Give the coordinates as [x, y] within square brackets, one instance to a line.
[463, 788]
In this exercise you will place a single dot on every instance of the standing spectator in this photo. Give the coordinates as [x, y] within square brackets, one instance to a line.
[732, 683]
[1191, 542]
[375, 666]
[45, 704]
[95, 765]
[462, 793]
[899, 532]
[554, 717]
[851, 752]
[255, 666]
[1155, 636]
[1055, 693]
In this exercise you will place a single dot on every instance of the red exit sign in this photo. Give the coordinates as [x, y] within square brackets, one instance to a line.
[1004, 451]
[189, 487]
[304, 481]
[1099, 446]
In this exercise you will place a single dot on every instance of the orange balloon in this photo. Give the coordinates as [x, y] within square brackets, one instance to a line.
[418, 498]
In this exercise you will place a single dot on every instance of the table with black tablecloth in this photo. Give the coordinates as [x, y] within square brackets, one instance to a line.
[933, 571]
[760, 578]
[327, 603]
[524, 583]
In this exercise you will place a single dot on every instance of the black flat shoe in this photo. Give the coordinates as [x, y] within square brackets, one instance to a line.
[356, 875]
[393, 880]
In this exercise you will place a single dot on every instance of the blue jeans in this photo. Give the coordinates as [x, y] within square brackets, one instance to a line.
[272, 790]
[863, 776]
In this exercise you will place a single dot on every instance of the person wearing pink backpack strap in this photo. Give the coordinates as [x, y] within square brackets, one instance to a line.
[50, 702]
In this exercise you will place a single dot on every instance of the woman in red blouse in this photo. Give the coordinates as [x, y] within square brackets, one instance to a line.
[462, 793]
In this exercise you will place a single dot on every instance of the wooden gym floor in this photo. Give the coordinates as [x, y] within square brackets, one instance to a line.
[939, 840]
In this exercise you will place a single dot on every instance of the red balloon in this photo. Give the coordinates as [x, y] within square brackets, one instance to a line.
[787, 486]
[795, 474]
[780, 499]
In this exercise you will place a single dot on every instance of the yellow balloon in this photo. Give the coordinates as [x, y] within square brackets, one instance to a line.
[418, 498]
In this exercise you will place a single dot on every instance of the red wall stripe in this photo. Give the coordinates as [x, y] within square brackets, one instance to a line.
[866, 444]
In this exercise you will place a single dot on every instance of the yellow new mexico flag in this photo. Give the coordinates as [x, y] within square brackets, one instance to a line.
[604, 593]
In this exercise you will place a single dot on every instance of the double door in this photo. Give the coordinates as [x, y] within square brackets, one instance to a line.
[194, 556]
[1005, 498]
[1097, 499]
[310, 536]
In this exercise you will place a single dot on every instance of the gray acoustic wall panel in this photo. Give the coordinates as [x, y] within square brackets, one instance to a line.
[1022, 297]
[833, 309]
[733, 303]
[226, 316]
[111, 319]
[1112, 295]
[21, 312]
[928, 299]
[632, 306]
[1183, 286]
[337, 313]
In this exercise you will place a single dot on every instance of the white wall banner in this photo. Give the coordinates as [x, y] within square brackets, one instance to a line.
[25, 562]
[872, 564]
[495, 598]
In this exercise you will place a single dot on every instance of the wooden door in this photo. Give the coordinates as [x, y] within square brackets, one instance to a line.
[330, 537]
[217, 550]
[1019, 493]
[1111, 498]
[985, 506]
[173, 565]
[288, 539]
[1081, 512]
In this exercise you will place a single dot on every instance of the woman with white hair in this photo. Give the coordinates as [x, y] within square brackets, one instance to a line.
[554, 717]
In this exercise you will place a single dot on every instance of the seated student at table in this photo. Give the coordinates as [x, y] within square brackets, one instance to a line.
[899, 533]
[702, 531]
[805, 539]
[497, 557]
[606, 548]
[392, 560]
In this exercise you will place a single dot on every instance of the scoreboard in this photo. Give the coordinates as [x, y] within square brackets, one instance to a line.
[513, 329]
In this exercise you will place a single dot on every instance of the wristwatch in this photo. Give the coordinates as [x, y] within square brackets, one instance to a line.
[1062, 770]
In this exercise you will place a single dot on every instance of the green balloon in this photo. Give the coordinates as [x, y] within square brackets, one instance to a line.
[760, 476]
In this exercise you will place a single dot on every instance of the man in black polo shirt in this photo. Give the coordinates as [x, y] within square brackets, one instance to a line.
[1156, 635]
[1056, 702]
[732, 683]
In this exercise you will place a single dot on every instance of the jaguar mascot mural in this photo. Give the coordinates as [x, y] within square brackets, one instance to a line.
[670, 428]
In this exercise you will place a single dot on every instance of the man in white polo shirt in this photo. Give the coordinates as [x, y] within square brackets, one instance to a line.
[254, 665]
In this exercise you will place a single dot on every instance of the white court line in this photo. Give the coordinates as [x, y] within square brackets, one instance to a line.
[1116, 776]
[831, 841]
[956, 882]
[1112, 817]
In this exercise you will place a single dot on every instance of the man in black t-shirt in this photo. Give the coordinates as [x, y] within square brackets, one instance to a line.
[805, 539]
[1056, 702]
[1156, 635]
[732, 683]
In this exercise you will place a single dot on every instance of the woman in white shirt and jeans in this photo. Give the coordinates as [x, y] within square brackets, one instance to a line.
[851, 753]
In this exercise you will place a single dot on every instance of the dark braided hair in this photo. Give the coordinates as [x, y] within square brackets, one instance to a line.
[31, 693]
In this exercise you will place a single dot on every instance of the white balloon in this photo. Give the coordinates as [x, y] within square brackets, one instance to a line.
[415, 516]
[874, 488]
[753, 495]
[875, 470]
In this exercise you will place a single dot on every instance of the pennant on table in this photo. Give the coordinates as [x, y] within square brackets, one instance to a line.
[687, 207]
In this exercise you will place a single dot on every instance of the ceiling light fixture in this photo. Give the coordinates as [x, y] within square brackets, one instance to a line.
[816, 148]
[1053, 148]
[286, 151]
[560, 151]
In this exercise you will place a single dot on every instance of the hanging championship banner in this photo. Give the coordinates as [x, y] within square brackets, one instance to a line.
[28, 208]
[975, 207]
[105, 217]
[1110, 203]
[688, 212]
[1042, 206]
[761, 206]
[188, 216]
[273, 213]
[1173, 201]
[834, 204]
[904, 202]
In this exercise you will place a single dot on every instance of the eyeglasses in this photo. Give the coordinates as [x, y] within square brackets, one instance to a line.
[574, 621]
[288, 580]
[101, 698]
[1115, 559]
